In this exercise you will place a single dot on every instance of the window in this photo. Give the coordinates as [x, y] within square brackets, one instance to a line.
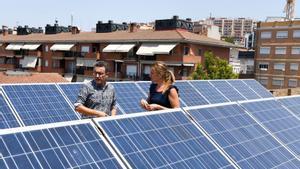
[199, 52]
[282, 34]
[85, 49]
[295, 50]
[46, 63]
[279, 66]
[186, 50]
[296, 34]
[263, 80]
[131, 70]
[277, 82]
[280, 50]
[265, 35]
[294, 66]
[55, 63]
[46, 48]
[293, 83]
[2, 60]
[9, 61]
[264, 50]
[263, 66]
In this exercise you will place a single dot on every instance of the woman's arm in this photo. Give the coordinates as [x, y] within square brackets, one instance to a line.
[173, 98]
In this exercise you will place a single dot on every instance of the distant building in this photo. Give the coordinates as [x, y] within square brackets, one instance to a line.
[206, 29]
[278, 54]
[235, 28]
[128, 50]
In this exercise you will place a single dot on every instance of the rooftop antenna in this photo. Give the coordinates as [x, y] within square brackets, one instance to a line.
[289, 9]
[72, 19]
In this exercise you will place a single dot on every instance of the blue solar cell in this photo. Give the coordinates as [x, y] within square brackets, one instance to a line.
[162, 140]
[39, 103]
[128, 97]
[227, 90]
[244, 89]
[68, 146]
[144, 86]
[244, 140]
[258, 88]
[284, 125]
[189, 95]
[7, 118]
[71, 90]
[209, 92]
[292, 103]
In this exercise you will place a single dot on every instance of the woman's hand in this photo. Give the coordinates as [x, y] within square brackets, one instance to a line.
[144, 104]
[152, 107]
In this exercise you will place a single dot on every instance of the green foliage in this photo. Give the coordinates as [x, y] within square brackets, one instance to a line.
[215, 68]
[229, 39]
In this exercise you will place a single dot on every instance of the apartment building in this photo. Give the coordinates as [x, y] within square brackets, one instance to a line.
[278, 54]
[236, 28]
[128, 51]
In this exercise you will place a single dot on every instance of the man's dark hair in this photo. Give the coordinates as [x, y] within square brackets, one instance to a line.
[100, 64]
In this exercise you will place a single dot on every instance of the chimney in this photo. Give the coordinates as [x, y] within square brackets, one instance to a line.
[4, 30]
[75, 30]
[175, 17]
[133, 27]
[188, 19]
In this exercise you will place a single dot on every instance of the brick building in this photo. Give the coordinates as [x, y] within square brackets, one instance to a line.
[128, 50]
[278, 54]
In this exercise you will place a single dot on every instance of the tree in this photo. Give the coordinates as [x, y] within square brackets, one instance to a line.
[215, 68]
[229, 39]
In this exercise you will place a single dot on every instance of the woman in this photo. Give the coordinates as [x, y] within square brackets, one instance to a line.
[162, 93]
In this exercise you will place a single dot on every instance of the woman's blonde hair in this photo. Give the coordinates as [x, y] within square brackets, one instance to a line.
[163, 73]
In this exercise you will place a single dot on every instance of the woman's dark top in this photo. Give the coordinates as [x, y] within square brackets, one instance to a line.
[159, 97]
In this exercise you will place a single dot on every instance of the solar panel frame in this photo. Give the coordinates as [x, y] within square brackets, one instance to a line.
[244, 90]
[258, 88]
[32, 99]
[24, 132]
[122, 103]
[130, 116]
[276, 134]
[228, 144]
[232, 95]
[212, 94]
[15, 119]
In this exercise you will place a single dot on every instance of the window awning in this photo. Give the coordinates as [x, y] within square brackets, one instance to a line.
[29, 61]
[118, 47]
[14, 46]
[62, 47]
[31, 46]
[151, 49]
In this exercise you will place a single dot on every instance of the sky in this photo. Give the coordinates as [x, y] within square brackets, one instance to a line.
[86, 13]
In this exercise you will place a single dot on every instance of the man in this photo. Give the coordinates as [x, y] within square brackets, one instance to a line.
[97, 98]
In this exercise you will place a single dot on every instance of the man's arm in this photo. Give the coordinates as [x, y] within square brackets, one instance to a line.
[113, 104]
[89, 112]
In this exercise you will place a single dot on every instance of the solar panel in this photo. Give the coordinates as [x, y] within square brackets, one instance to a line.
[292, 103]
[164, 139]
[7, 118]
[244, 89]
[209, 92]
[71, 90]
[244, 140]
[73, 145]
[189, 95]
[128, 97]
[281, 123]
[227, 90]
[258, 88]
[144, 86]
[39, 103]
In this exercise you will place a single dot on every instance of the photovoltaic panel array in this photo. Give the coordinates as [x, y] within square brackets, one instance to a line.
[67, 146]
[39, 103]
[209, 91]
[258, 88]
[128, 97]
[145, 85]
[162, 140]
[244, 140]
[71, 90]
[292, 103]
[227, 90]
[7, 118]
[243, 89]
[189, 95]
[280, 122]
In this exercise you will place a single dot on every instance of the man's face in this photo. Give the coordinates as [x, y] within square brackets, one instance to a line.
[99, 75]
